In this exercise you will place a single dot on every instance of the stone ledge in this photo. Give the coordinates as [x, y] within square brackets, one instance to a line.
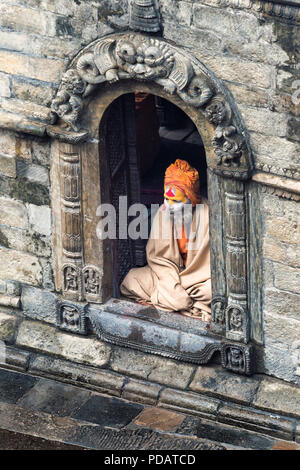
[287, 186]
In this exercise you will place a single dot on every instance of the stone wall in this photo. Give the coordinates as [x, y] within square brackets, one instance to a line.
[252, 49]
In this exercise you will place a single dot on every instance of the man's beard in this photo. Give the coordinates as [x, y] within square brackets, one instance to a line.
[182, 215]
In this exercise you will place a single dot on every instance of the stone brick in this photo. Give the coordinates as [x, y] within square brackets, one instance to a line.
[19, 266]
[7, 326]
[281, 252]
[39, 304]
[217, 382]
[275, 206]
[44, 69]
[27, 19]
[278, 361]
[27, 91]
[13, 213]
[282, 303]
[252, 97]
[286, 278]
[28, 109]
[239, 71]
[61, 48]
[41, 152]
[40, 219]
[150, 367]
[96, 379]
[264, 121]
[279, 397]
[160, 419]
[279, 150]
[32, 172]
[279, 333]
[284, 103]
[225, 21]
[174, 11]
[29, 242]
[4, 86]
[8, 165]
[293, 132]
[190, 403]
[141, 392]
[44, 338]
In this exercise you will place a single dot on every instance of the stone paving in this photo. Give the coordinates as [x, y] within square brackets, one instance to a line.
[39, 413]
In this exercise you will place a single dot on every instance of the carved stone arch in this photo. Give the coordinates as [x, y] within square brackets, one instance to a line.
[105, 70]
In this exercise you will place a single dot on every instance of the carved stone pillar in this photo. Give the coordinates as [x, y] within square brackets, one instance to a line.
[236, 314]
[72, 253]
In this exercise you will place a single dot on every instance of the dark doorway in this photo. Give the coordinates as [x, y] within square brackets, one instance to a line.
[144, 135]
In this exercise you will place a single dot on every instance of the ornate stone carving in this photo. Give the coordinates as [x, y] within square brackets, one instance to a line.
[91, 279]
[228, 144]
[71, 317]
[237, 358]
[138, 57]
[218, 312]
[68, 102]
[235, 317]
[144, 16]
[71, 280]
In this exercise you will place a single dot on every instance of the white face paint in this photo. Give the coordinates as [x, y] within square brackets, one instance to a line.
[175, 207]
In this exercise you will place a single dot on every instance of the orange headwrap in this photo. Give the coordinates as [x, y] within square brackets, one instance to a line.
[181, 175]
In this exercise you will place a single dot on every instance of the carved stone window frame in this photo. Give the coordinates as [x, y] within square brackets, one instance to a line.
[96, 77]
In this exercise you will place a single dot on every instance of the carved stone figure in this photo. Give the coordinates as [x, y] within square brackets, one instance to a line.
[91, 280]
[235, 318]
[70, 279]
[235, 358]
[218, 312]
[70, 315]
[227, 142]
[68, 101]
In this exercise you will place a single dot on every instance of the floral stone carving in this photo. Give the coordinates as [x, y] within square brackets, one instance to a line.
[142, 58]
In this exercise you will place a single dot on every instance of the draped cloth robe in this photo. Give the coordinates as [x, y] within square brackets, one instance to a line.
[165, 282]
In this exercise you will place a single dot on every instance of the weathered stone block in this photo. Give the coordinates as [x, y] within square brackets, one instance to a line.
[293, 129]
[7, 326]
[264, 121]
[47, 70]
[4, 86]
[32, 172]
[141, 392]
[150, 367]
[100, 380]
[188, 402]
[282, 303]
[217, 382]
[13, 213]
[279, 361]
[280, 151]
[239, 71]
[278, 332]
[44, 338]
[279, 397]
[28, 109]
[19, 266]
[40, 219]
[8, 166]
[160, 419]
[39, 304]
[283, 229]
[178, 12]
[27, 19]
[286, 278]
[26, 91]
[250, 96]
[22, 240]
[259, 422]
[281, 252]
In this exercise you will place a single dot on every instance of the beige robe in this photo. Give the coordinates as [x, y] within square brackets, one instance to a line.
[165, 282]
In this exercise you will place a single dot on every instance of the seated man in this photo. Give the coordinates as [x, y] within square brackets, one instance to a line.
[177, 277]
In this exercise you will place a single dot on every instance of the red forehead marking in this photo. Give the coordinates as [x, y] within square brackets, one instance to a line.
[171, 192]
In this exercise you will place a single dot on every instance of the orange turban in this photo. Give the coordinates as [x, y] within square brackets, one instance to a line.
[181, 175]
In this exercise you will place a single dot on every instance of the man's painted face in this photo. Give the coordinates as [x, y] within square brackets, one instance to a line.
[174, 195]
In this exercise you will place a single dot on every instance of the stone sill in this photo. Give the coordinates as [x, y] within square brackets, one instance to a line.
[172, 335]
[279, 183]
